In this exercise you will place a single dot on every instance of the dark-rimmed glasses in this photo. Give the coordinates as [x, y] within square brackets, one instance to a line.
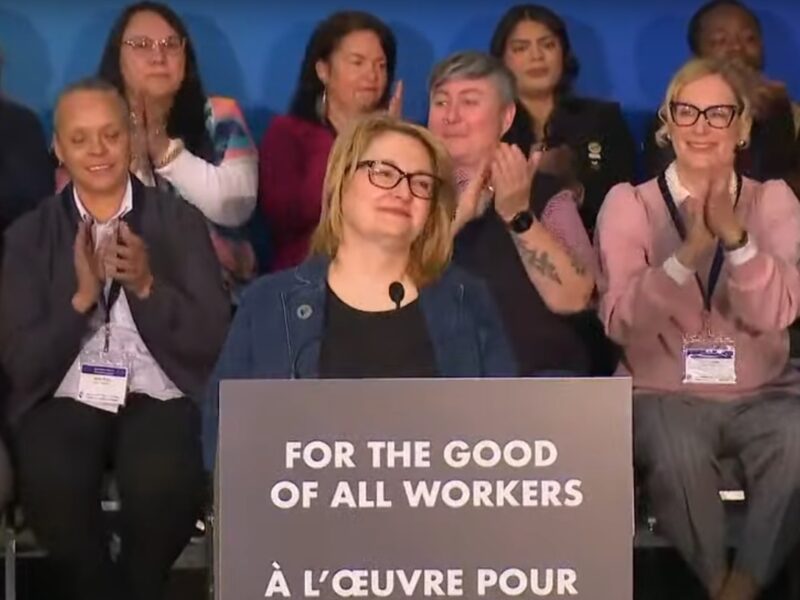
[387, 176]
[145, 45]
[719, 116]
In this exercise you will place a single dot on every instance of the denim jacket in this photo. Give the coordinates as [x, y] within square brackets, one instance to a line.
[278, 328]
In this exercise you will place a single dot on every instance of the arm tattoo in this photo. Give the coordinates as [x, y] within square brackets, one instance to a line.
[539, 261]
[576, 264]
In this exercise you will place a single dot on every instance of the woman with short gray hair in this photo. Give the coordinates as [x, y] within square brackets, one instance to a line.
[517, 228]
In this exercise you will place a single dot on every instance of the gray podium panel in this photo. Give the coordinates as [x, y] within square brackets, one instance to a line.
[424, 489]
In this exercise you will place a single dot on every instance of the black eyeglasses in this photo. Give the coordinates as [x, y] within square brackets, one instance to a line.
[719, 116]
[387, 176]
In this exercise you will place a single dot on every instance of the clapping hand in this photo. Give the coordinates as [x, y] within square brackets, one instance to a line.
[473, 200]
[150, 115]
[126, 260]
[719, 210]
[512, 177]
[89, 271]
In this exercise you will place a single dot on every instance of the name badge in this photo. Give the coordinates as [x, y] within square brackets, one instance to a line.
[103, 383]
[709, 363]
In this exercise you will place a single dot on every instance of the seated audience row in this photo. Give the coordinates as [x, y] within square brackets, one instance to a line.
[697, 273]
[200, 147]
[349, 66]
[699, 283]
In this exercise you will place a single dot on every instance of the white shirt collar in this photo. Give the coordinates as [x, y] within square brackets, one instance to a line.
[678, 190]
[124, 208]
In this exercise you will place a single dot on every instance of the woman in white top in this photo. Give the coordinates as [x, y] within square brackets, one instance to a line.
[198, 146]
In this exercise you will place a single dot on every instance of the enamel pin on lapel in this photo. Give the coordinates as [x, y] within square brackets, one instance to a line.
[595, 154]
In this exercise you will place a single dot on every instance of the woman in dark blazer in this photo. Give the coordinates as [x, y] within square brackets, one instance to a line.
[533, 43]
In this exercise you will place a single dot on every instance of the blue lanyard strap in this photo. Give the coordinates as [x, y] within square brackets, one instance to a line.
[107, 303]
[680, 226]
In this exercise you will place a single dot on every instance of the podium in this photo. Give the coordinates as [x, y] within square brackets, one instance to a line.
[496, 488]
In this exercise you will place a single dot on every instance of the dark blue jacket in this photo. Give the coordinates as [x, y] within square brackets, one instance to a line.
[278, 328]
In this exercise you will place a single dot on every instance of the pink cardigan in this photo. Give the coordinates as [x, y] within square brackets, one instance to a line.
[647, 312]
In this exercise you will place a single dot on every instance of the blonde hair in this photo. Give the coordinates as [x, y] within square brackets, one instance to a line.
[698, 68]
[430, 252]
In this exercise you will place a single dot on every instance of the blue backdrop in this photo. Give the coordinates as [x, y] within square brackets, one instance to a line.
[251, 49]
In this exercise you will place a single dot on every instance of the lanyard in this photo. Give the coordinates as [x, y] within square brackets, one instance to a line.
[107, 303]
[107, 300]
[680, 226]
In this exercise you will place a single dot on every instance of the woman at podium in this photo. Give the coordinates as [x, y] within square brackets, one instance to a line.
[377, 297]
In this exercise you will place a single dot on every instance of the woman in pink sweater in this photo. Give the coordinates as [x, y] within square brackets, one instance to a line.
[699, 283]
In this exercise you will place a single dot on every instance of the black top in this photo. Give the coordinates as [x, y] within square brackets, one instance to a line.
[542, 340]
[604, 152]
[26, 170]
[366, 345]
[772, 153]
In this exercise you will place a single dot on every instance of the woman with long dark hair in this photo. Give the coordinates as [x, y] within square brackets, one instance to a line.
[183, 140]
[347, 72]
[534, 44]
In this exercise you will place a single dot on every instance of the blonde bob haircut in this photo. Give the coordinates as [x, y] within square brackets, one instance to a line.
[430, 252]
[698, 68]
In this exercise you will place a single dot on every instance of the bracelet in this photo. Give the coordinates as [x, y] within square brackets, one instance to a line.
[741, 242]
[171, 155]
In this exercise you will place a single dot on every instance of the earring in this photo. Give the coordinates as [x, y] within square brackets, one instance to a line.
[322, 104]
[741, 144]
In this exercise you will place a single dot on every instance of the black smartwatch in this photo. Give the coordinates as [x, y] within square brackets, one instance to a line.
[521, 222]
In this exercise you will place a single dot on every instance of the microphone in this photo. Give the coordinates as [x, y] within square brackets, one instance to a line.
[397, 292]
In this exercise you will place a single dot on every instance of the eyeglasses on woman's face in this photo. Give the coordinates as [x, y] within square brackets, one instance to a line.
[387, 176]
[143, 45]
[719, 116]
